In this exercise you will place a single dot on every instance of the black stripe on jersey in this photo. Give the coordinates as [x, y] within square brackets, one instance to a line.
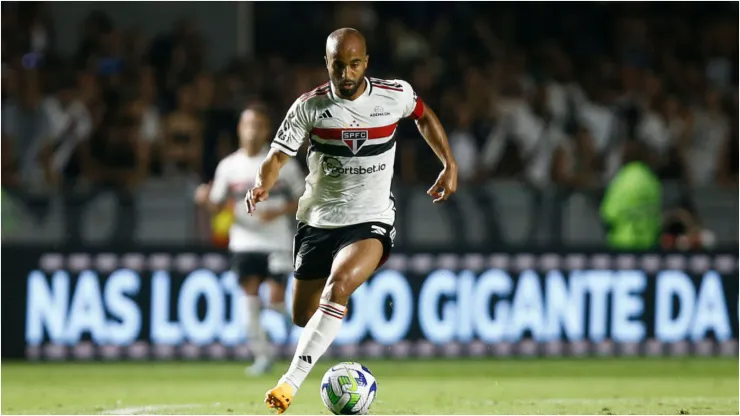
[344, 151]
[284, 146]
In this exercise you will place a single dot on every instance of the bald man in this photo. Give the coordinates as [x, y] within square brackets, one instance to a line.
[346, 215]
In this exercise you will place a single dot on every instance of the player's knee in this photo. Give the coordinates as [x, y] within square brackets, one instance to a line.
[339, 288]
[251, 284]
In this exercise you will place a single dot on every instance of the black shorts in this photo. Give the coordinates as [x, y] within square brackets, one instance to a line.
[276, 266]
[314, 248]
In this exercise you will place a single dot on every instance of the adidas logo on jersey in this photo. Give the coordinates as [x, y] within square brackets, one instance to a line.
[326, 114]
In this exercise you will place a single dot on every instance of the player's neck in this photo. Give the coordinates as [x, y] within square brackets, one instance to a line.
[357, 94]
[250, 152]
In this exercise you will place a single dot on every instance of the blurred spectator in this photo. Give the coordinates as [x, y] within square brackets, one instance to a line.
[114, 159]
[27, 130]
[95, 25]
[601, 121]
[408, 45]
[219, 137]
[575, 162]
[683, 230]
[146, 115]
[662, 128]
[40, 34]
[702, 148]
[530, 128]
[184, 133]
[70, 126]
[463, 145]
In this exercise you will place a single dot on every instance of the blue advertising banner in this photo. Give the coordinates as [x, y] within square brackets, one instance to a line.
[187, 304]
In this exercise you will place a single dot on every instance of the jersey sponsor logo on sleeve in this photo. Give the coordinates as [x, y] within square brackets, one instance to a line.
[333, 168]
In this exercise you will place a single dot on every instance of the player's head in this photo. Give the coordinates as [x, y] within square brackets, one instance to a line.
[346, 59]
[254, 127]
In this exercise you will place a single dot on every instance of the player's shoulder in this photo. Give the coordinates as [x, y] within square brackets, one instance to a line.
[315, 96]
[390, 86]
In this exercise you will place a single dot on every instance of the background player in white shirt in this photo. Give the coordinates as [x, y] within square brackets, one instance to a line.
[260, 245]
[347, 212]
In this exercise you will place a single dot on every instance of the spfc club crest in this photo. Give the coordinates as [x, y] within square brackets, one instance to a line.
[354, 139]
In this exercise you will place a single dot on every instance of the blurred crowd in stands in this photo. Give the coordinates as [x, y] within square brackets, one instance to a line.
[548, 93]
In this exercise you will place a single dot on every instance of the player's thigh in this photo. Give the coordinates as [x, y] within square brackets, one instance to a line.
[306, 298]
[277, 289]
[251, 268]
[352, 266]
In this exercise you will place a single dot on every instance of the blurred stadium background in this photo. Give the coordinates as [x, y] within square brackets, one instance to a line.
[113, 112]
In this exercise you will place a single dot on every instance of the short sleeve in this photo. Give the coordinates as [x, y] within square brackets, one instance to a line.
[293, 130]
[413, 106]
[294, 178]
[220, 186]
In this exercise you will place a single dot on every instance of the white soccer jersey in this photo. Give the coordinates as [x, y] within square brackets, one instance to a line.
[235, 175]
[351, 151]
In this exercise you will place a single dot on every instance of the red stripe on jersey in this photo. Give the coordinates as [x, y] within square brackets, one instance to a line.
[372, 132]
[320, 90]
[418, 109]
[315, 94]
[385, 87]
[320, 87]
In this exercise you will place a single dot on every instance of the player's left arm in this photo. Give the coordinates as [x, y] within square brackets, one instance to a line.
[431, 129]
[289, 138]
[292, 176]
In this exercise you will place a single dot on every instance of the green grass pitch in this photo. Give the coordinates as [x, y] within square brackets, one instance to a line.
[476, 386]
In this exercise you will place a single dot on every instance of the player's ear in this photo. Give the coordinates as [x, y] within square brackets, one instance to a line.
[367, 60]
[326, 61]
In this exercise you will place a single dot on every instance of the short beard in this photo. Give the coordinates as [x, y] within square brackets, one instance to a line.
[348, 93]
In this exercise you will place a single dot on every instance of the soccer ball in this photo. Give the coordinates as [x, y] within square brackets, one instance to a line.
[348, 389]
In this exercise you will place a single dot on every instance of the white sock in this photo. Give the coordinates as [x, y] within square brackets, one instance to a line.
[256, 335]
[315, 339]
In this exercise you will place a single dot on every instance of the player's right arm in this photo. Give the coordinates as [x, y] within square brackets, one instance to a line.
[289, 138]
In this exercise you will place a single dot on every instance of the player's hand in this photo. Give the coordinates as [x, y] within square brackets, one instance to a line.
[269, 215]
[254, 196]
[445, 186]
[201, 193]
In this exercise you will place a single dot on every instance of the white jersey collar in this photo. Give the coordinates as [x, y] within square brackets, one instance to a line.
[368, 91]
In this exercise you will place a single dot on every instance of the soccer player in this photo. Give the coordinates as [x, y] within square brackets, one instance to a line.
[260, 245]
[347, 212]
